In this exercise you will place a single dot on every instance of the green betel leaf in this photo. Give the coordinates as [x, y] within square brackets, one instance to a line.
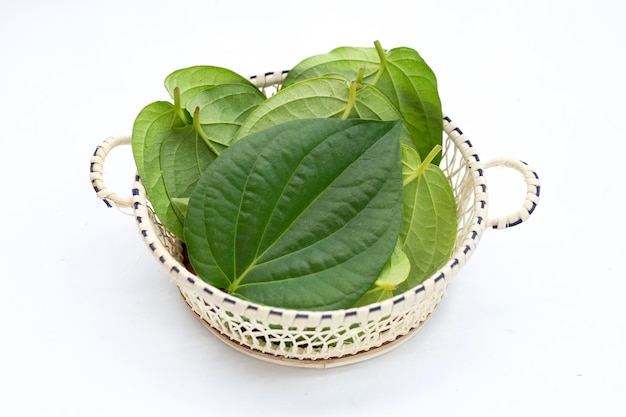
[192, 80]
[395, 272]
[322, 97]
[409, 83]
[184, 157]
[223, 108]
[429, 223]
[344, 60]
[155, 116]
[301, 215]
[149, 130]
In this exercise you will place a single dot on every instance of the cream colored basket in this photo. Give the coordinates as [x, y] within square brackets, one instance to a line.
[326, 338]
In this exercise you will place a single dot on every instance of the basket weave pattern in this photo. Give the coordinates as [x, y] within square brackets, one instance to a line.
[319, 337]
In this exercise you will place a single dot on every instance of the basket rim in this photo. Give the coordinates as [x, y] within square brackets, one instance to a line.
[465, 246]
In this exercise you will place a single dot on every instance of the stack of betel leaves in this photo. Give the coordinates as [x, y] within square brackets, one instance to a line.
[326, 195]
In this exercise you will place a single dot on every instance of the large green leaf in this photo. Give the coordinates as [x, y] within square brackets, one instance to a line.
[429, 223]
[345, 60]
[301, 215]
[192, 80]
[154, 116]
[316, 98]
[411, 86]
[321, 97]
[223, 108]
[149, 130]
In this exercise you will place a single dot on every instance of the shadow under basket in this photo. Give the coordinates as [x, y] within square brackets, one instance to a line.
[322, 339]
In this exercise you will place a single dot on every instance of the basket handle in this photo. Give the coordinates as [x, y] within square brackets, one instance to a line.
[532, 193]
[96, 172]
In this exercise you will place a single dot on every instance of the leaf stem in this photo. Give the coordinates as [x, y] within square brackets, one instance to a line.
[351, 100]
[178, 110]
[198, 128]
[383, 61]
[359, 75]
[422, 167]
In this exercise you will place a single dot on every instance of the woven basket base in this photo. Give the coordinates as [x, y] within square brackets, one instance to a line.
[310, 363]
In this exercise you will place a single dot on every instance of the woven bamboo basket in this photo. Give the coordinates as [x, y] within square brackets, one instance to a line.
[324, 339]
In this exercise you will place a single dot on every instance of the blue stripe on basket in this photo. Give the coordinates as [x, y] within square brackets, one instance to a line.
[276, 313]
[175, 269]
[375, 309]
[440, 277]
[515, 223]
[302, 316]
[230, 301]
[162, 259]
[267, 74]
[459, 131]
[538, 188]
[447, 119]
[208, 291]
[399, 300]
[152, 247]
[455, 263]
[327, 316]
[420, 289]
[135, 191]
[350, 313]
[139, 219]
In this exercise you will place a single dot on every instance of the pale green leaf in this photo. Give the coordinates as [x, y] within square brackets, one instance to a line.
[223, 108]
[429, 223]
[149, 130]
[344, 60]
[321, 97]
[409, 83]
[192, 80]
[395, 272]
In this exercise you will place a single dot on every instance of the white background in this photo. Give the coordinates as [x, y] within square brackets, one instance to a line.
[533, 325]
